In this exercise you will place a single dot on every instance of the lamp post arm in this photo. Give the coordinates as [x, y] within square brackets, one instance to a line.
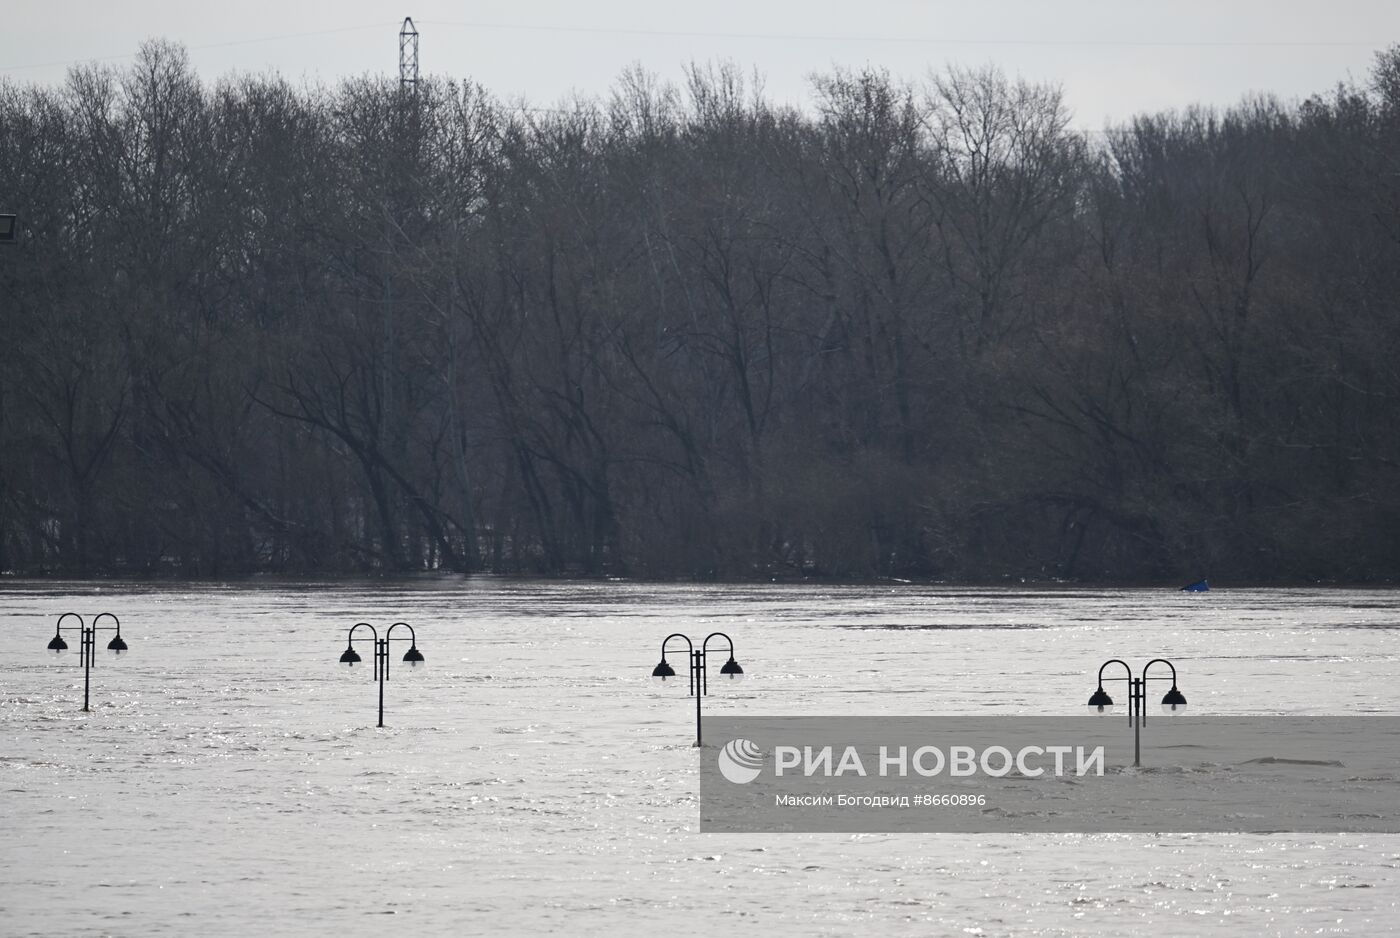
[689, 657]
[1132, 695]
[107, 615]
[1159, 661]
[81, 624]
[1115, 661]
[690, 646]
[412, 636]
[706, 644]
[350, 638]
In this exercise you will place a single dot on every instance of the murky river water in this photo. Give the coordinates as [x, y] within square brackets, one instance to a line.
[230, 781]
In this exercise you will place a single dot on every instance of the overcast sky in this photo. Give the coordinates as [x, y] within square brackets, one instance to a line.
[1112, 58]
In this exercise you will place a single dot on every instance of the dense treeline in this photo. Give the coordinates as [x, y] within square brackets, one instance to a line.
[923, 331]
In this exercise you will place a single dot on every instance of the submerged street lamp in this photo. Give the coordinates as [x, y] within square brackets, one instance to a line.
[1173, 703]
[350, 658]
[87, 644]
[730, 672]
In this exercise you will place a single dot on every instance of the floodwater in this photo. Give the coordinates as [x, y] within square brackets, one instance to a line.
[231, 781]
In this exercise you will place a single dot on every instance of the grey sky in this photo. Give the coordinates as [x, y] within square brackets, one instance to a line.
[1112, 58]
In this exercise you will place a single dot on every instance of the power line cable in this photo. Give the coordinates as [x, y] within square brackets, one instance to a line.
[922, 40]
[206, 45]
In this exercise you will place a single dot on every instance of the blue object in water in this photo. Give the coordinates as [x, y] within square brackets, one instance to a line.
[1200, 586]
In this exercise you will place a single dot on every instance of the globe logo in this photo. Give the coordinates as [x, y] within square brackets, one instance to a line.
[740, 761]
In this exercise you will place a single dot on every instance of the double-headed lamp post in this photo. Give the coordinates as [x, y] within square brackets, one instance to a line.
[1173, 703]
[87, 644]
[699, 683]
[350, 658]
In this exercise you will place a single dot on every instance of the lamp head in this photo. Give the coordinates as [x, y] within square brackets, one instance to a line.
[731, 671]
[57, 645]
[116, 646]
[413, 658]
[350, 657]
[663, 672]
[1100, 702]
[1174, 703]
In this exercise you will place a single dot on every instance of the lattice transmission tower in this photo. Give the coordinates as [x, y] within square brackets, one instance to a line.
[408, 55]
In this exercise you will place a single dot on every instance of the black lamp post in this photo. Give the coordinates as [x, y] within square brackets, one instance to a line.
[350, 658]
[699, 683]
[87, 644]
[1173, 703]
